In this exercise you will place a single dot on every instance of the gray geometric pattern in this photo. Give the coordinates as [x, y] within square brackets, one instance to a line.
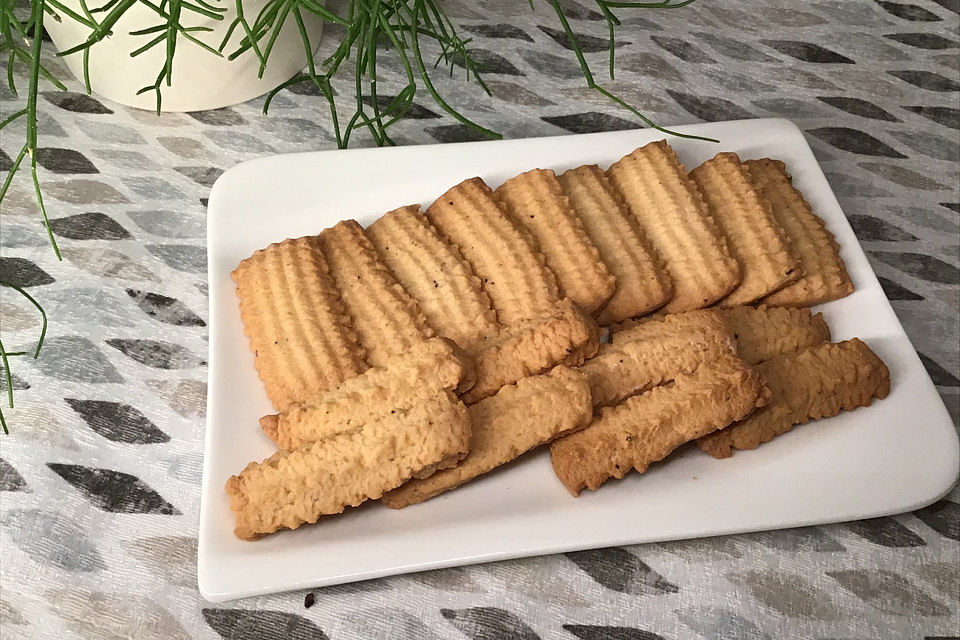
[99, 483]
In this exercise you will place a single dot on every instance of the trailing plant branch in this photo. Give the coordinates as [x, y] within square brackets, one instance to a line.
[9, 25]
[404, 24]
[585, 68]
[10, 29]
[4, 354]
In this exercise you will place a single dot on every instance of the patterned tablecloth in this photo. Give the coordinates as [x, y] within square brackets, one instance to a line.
[100, 478]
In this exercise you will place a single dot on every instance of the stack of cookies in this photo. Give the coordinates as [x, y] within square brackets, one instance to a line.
[412, 356]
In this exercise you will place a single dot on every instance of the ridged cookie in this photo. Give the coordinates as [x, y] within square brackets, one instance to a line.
[668, 324]
[816, 382]
[291, 488]
[673, 216]
[387, 320]
[535, 201]
[824, 276]
[435, 275]
[501, 254]
[564, 335]
[754, 237]
[519, 418]
[296, 322]
[642, 283]
[763, 333]
[646, 428]
[651, 357]
[432, 366]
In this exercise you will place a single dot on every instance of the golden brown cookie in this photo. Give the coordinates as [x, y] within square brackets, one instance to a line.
[535, 201]
[435, 275]
[673, 216]
[519, 418]
[824, 276]
[504, 256]
[564, 335]
[649, 357]
[434, 365]
[294, 317]
[385, 317]
[754, 237]
[666, 324]
[761, 332]
[815, 382]
[642, 283]
[646, 428]
[764, 332]
[291, 488]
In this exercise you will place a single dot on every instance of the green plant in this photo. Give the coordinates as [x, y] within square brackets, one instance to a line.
[5, 355]
[408, 29]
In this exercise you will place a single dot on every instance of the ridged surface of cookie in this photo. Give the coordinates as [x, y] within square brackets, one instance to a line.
[764, 333]
[295, 320]
[668, 324]
[754, 236]
[816, 382]
[565, 335]
[761, 333]
[435, 275]
[291, 488]
[387, 320]
[648, 427]
[434, 365]
[824, 275]
[673, 216]
[642, 284]
[519, 418]
[649, 359]
[505, 258]
[535, 201]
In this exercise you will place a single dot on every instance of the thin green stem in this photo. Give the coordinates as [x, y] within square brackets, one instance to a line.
[31, 142]
[418, 57]
[13, 117]
[574, 45]
[211, 7]
[8, 377]
[12, 172]
[103, 29]
[278, 26]
[612, 23]
[86, 70]
[374, 30]
[647, 120]
[10, 82]
[629, 4]
[363, 52]
[321, 11]
[105, 7]
[174, 20]
[43, 209]
[157, 28]
[152, 43]
[213, 15]
[82, 19]
[321, 83]
[43, 316]
[27, 58]
[572, 38]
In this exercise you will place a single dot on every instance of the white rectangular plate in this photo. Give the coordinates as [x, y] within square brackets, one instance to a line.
[897, 455]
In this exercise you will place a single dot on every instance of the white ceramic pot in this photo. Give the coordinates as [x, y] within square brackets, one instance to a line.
[201, 80]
